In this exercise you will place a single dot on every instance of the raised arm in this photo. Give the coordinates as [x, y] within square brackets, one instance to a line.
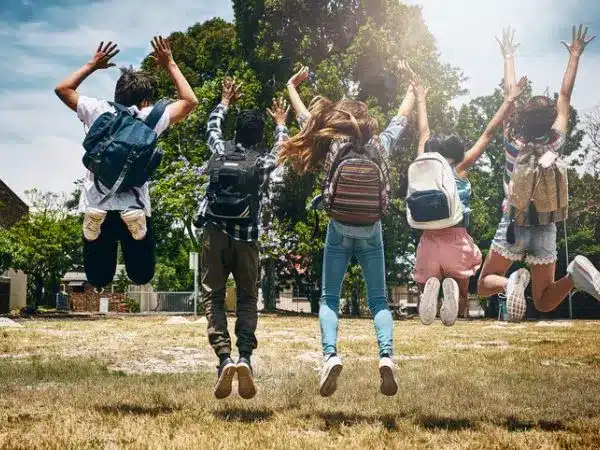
[420, 91]
[279, 115]
[563, 105]
[66, 90]
[187, 102]
[473, 154]
[229, 94]
[299, 107]
[508, 47]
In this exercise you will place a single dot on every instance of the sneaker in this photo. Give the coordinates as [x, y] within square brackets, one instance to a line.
[516, 304]
[387, 368]
[246, 387]
[332, 366]
[449, 309]
[225, 374]
[429, 301]
[585, 276]
[92, 222]
[136, 223]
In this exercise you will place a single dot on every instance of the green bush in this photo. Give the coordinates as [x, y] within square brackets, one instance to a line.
[133, 306]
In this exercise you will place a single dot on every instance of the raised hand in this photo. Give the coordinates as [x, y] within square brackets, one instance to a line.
[299, 77]
[415, 81]
[516, 90]
[280, 111]
[103, 55]
[508, 46]
[230, 91]
[162, 51]
[579, 41]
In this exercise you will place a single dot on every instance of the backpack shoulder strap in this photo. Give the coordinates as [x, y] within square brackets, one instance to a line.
[120, 108]
[157, 112]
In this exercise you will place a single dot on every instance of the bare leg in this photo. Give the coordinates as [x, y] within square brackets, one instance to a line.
[463, 303]
[547, 293]
[492, 280]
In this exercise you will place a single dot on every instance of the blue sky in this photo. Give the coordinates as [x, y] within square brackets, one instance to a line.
[44, 40]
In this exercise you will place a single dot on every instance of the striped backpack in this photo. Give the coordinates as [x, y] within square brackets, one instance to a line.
[356, 188]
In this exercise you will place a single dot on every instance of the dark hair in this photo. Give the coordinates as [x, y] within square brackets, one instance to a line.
[134, 86]
[449, 146]
[535, 118]
[250, 127]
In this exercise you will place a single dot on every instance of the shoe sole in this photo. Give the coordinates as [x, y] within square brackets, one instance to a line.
[449, 310]
[428, 303]
[225, 381]
[329, 386]
[246, 387]
[516, 305]
[587, 267]
[388, 386]
[137, 237]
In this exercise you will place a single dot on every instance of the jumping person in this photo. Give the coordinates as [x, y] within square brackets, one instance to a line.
[239, 171]
[534, 137]
[340, 139]
[450, 253]
[111, 215]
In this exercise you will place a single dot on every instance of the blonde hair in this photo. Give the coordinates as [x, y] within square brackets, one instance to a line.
[328, 121]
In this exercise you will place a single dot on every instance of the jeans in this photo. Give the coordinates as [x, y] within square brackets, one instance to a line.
[366, 244]
[100, 256]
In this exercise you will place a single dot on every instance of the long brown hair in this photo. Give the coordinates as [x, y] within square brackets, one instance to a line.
[328, 121]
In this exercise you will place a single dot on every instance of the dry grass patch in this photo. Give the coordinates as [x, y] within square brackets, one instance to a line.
[147, 383]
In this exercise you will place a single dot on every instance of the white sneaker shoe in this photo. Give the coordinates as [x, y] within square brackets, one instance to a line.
[92, 223]
[387, 368]
[136, 223]
[330, 372]
[585, 276]
[429, 301]
[516, 303]
[449, 309]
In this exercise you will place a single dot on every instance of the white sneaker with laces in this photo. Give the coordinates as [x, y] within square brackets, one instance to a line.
[332, 366]
[516, 304]
[585, 276]
[429, 301]
[449, 309]
[92, 223]
[136, 223]
[387, 368]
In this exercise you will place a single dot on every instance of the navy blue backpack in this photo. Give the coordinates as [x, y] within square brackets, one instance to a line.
[120, 149]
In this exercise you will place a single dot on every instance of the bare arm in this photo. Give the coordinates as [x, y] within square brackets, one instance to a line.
[187, 102]
[563, 105]
[473, 154]
[420, 91]
[508, 47]
[292, 85]
[66, 90]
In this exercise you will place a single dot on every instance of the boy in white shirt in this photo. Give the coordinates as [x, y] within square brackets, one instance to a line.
[123, 216]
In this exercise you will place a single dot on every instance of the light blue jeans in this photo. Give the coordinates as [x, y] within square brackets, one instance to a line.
[366, 244]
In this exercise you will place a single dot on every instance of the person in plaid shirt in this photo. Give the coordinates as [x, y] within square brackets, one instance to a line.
[230, 246]
[544, 123]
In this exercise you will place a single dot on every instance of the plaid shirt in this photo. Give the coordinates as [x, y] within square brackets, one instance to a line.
[265, 165]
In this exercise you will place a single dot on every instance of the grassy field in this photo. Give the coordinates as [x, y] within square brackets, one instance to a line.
[147, 383]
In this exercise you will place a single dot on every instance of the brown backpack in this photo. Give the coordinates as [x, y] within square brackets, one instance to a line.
[538, 195]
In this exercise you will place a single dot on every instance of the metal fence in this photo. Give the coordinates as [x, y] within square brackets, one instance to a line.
[174, 302]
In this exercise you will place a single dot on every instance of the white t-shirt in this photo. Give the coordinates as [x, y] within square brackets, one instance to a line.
[88, 110]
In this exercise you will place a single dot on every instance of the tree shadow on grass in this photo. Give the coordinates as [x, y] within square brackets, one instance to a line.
[136, 410]
[335, 420]
[514, 424]
[433, 423]
[243, 415]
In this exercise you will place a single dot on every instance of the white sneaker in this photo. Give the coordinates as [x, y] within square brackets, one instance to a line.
[585, 276]
[92, 223]
[387, 368]
[429, 301]
[330, 372]
[136, 223]
[516, 304]
[449, 309]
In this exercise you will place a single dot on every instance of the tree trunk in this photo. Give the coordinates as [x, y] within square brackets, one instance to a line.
[268, 286]
[355, 299]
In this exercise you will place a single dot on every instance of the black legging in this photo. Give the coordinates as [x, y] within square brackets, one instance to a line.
[100, 256]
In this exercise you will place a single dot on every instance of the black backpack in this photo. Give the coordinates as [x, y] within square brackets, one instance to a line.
[234, 184]
[120, 149]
